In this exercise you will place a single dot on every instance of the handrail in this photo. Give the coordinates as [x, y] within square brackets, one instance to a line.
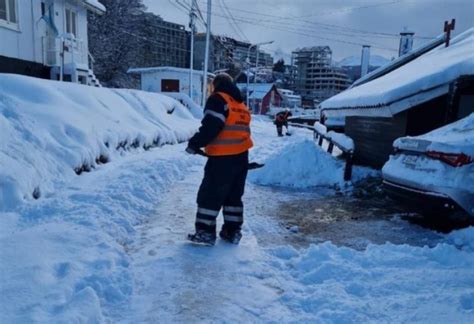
[348, 154]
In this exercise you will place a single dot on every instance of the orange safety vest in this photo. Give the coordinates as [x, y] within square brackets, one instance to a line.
[235, 136]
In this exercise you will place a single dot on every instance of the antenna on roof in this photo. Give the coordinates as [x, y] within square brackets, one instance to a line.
[448, 27]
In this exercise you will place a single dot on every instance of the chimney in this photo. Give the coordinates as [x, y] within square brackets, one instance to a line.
[406, 41]
[364, 64]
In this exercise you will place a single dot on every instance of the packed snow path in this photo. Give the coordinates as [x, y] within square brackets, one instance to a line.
[179, 281]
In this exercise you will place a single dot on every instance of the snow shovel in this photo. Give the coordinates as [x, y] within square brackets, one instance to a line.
[250, 166]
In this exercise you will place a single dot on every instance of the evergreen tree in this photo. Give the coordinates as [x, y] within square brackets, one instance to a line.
[115, 41]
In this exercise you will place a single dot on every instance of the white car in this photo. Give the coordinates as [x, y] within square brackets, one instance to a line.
[434, 172]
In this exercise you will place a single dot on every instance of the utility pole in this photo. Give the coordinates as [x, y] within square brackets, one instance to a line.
[206, 53]
[256, 65]
[192, 26]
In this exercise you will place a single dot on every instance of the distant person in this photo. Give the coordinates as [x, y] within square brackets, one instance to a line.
[281, 119]
[225, 135]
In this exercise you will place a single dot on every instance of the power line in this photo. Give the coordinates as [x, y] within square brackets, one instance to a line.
[232, 20]
[297, 19]
[308, 33]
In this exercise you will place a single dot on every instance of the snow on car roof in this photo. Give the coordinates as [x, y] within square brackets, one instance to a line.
[457, 137]
[420, 80]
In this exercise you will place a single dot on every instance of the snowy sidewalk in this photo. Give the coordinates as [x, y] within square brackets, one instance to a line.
[181, 282]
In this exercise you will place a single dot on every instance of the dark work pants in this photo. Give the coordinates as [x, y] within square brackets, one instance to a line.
[279, 127]
[222, 188]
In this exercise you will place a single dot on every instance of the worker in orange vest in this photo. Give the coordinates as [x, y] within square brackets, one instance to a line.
[225, 135]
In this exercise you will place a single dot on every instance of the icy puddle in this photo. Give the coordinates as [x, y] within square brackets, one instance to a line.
[352, 219]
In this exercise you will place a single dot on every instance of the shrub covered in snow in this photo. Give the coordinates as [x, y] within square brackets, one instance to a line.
[52, 131]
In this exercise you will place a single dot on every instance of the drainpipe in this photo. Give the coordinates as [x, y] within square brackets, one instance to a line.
[33, 34]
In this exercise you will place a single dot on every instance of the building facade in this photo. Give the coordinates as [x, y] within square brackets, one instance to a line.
[226, 53]
[316, 78]
[170, 46]
[47, 39]
[166, 79]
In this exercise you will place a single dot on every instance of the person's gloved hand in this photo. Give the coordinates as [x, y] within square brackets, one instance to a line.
[190, 150]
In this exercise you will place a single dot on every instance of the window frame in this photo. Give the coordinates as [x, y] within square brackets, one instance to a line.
[73, 23]
[7, 22]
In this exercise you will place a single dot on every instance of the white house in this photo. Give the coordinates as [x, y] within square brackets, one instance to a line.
[290, 99]
[47, 38]
[170, 79]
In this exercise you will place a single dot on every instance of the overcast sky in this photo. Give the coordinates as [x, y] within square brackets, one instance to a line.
[344, 25]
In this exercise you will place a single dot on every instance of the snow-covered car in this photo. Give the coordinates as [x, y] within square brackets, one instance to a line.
[434, 172]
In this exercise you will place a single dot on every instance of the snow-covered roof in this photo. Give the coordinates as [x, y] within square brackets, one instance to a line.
[95, 6]
[418, 81]
[355, 60]
[257, 90]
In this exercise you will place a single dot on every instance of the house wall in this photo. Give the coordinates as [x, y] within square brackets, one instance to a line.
[373, 137]
[152, 82]
[22, 41]
[267, 100]
[427, 116]
[25, 41]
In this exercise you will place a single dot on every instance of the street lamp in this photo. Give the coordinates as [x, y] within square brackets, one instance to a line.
[256, 65]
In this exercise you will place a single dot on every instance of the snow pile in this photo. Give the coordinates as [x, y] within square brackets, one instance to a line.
[302, 165]
[185, 100]
[66, 258]
[384, 283]
[52, 131]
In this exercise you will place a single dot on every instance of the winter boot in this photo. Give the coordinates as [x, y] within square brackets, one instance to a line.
[230, 236]
[203, 237]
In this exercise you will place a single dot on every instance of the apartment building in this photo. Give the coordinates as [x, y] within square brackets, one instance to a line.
[316, 78]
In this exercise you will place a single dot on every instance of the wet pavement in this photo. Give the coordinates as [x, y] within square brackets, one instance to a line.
[354, 218]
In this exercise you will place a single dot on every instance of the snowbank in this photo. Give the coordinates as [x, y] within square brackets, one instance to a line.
[52, 131]
[304, 164]
[384, 283]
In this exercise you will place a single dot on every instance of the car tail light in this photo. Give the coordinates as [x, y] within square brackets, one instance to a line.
[453, 159]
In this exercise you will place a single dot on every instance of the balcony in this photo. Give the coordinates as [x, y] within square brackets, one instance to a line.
[73, 49]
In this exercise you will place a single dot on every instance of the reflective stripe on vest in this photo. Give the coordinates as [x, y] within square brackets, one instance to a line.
[235, 136]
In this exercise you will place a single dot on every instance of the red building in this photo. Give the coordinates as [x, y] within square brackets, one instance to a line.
[262, 96]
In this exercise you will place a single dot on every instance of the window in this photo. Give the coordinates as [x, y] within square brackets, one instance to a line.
[8, 11]
[169, 85]
[71, 22]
